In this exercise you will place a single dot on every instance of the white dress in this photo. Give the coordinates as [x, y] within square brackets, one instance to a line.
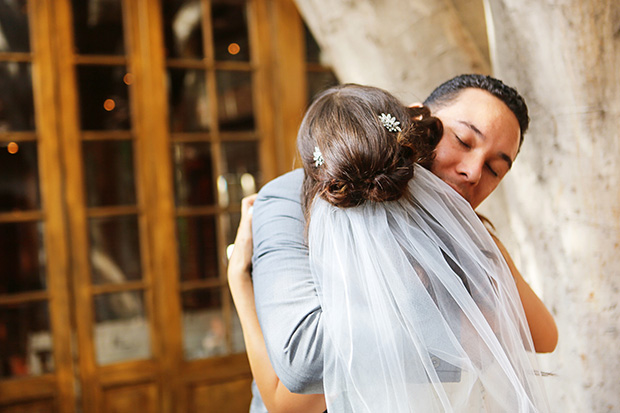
[420, 311]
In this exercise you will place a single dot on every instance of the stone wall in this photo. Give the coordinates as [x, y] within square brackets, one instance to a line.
[563, 197]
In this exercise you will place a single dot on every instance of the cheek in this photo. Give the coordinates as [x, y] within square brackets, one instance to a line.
[442, 157]
[486, 190]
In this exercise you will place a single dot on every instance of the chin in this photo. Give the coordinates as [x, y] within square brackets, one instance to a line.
[457, 190]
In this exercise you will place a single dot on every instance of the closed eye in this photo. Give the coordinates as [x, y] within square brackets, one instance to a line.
[462, 142]
[491, 170]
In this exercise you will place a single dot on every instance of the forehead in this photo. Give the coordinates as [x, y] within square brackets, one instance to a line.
[487, 113]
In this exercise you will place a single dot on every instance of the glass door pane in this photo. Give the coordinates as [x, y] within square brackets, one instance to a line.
[197, 247]
[22, 261]
[106, 166]
[187, 99]
[183, 33]
[14, 27]
[98, 26]
[114, 249]
[193, 174]
[104, 85]
[19, 176]
[235, 101]
[214, 147]
[104, 97]
[16, 101]
[121, 330]
[230, 31]
[241, 169]
[26, 340]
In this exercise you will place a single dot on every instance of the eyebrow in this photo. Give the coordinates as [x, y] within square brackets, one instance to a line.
[478, 132]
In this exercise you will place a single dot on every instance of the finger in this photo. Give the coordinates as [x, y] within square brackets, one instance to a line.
[244, 231]
[245, 224]
[247, 203]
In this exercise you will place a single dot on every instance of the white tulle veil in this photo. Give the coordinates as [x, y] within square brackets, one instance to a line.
[420, 311]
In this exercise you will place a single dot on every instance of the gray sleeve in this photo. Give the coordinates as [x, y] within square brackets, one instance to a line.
[286, 298]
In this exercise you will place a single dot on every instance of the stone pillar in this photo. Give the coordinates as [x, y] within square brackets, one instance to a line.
[563, 196]
[406, 47]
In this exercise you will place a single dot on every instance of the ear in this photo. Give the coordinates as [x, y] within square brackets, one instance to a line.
[416, 105]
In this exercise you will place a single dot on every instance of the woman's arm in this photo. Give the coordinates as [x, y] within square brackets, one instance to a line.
[542, 325]
[275, 396]
[286, 296]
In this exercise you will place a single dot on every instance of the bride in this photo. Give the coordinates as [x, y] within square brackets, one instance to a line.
[420, 310]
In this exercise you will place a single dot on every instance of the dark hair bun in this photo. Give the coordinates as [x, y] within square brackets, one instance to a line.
[385, 173]
[386, 186]
[390, 186]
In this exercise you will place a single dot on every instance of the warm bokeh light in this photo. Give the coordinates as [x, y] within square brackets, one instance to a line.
[229, 250]
[109, 105]
[12, 148]
[222, 190]
[234, 48]
[248, 184]
[128, 79]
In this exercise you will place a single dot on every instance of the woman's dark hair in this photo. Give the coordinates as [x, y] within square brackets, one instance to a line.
[445, 93]
[363, 160]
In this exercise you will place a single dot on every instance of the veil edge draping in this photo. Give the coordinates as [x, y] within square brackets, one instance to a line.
[420, 310]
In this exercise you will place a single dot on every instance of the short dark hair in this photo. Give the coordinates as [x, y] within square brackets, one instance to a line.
[445, 93]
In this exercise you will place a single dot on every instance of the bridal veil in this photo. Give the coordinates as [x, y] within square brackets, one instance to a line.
[420, 311]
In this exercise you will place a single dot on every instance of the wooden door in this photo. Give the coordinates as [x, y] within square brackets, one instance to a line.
[129, 132]
[162, 129]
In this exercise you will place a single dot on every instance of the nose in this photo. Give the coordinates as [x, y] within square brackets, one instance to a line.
[470, 169]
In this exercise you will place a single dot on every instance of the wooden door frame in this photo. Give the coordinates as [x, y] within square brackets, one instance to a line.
[55, 390]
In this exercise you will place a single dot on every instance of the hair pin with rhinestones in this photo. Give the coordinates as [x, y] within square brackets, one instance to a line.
[318, 157]
[389, 122]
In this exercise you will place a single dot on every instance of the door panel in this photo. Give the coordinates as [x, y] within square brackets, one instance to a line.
[131, 398]
[39, 406]
[230, 396]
